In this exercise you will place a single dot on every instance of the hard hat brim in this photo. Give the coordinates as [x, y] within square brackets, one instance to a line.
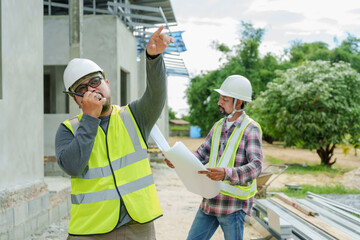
[224, 93]
[246, 99]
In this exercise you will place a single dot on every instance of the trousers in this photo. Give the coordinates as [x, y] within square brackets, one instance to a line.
[130, 231]
[204, 226]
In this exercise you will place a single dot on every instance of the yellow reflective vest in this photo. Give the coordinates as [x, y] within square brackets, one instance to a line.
[228, 159]
[118, 168]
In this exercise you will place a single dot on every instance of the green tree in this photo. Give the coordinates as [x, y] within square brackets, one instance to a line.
[314, 106]
[300, 52]
[172, 114]
[348, 51]
[202, 100]
[243, 60]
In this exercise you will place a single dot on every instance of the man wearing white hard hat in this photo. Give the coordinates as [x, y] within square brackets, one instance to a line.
[233, 149]
[104, 151]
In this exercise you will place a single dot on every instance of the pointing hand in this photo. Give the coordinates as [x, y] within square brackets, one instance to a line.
[158, 42]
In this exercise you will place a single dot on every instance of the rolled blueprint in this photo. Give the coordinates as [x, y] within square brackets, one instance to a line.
[187, 166]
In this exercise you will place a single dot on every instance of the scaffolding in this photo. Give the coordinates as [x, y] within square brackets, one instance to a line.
[142, 17]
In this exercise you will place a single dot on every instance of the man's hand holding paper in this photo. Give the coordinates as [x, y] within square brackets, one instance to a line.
[215, 174]
[187, 167]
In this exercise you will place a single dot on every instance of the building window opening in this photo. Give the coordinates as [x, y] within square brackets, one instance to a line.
[55, 101]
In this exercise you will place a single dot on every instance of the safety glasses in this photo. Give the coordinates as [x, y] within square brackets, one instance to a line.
[83, 88]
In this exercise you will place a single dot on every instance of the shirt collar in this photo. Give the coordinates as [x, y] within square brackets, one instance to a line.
[237, 121]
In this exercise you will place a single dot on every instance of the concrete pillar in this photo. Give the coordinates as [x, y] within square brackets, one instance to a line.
[141, 73]
[75, 41]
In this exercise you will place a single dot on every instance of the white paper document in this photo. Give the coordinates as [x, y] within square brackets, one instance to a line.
[186, 166]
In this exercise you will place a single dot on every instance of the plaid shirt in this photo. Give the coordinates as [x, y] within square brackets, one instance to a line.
[248, 165]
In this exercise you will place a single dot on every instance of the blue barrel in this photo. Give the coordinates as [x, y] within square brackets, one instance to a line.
[195, 132]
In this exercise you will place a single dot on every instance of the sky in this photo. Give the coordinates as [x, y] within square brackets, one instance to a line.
[205, 21]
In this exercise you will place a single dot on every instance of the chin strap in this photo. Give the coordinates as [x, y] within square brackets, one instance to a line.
[234, 111]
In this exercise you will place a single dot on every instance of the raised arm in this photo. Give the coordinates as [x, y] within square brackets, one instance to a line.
[147, 109]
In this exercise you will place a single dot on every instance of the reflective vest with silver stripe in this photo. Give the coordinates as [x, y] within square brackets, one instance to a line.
[228, 159]
[118, 166]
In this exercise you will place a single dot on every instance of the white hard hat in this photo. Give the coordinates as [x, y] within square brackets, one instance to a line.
[78, 68]
[236, 86]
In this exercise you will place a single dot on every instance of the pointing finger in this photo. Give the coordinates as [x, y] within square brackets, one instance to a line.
[158, 31]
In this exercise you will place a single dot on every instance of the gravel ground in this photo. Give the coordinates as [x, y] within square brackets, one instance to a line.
[56, 231]
[352, 200]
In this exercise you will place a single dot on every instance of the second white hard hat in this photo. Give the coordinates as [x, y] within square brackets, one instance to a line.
[236, 86]
[78, 68]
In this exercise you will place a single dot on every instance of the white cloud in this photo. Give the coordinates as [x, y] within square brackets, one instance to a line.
[198, 37]
[176, 93]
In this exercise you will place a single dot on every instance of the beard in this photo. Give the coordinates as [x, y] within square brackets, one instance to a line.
[223, 112]
[106, 105]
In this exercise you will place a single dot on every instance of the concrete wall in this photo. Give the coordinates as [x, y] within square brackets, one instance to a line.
[141, 61]
[126, 57]
[21, 108]
[23, 192]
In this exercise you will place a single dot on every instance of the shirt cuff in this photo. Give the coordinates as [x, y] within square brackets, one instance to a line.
[151, 57]
[228, 173]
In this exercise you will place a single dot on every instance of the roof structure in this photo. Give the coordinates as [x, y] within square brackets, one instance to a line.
[142, 17]
[179, 121]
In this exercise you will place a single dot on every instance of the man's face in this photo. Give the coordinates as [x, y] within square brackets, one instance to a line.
[95, 83]
[225, 105]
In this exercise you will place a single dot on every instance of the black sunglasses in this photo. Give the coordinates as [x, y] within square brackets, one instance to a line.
[94, 82]
[82, 88]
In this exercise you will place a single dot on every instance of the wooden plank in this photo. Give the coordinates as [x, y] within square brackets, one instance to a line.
[154, 150]
[314, 221]
[283, 197]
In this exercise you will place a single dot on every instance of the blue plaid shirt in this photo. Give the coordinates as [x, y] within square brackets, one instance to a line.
[248, 165]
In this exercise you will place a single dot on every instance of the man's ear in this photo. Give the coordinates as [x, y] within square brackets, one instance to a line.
[238, 104]
[107, 81]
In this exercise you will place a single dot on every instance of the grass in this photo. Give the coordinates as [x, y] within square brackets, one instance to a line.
[301, 169]
[306, 169]
[179, 128]
[274, 160]
[338, 189]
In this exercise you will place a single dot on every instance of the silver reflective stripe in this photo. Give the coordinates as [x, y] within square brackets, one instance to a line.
[111, 194]
[108, 194]
[231, 144]
[236, 191]
[130, 127]
[136, 185]
[117, 164]
[74, 124]
[214, 150]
